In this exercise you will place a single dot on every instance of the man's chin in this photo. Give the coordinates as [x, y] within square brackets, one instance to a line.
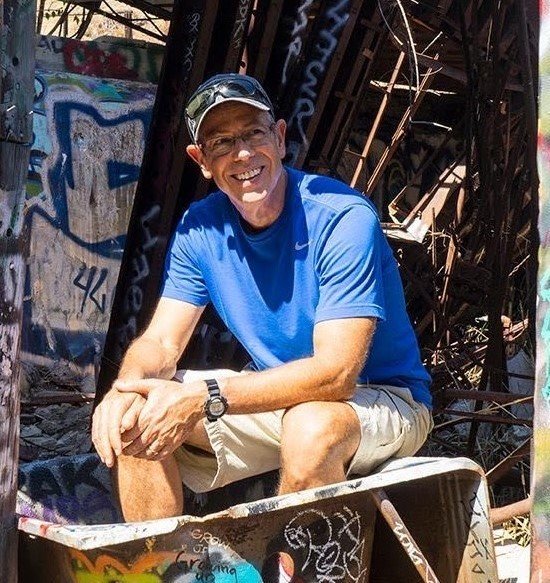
[252, 197]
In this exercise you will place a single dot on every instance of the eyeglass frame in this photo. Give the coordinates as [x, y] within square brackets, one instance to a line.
[234, 138]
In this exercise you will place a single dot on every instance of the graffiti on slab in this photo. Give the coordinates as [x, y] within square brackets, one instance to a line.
[479, 548]
[332, 546]
[76, 490]
[115, 59]
[89, 137]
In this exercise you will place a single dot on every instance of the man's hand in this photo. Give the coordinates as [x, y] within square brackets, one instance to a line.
[118, 412]
[169, 415]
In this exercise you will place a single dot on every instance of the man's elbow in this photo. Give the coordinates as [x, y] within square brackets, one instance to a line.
[344, 383]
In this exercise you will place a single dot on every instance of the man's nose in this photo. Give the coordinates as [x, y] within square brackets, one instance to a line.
[243, 148]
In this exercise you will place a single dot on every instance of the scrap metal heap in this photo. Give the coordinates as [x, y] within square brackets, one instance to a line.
[429, 108]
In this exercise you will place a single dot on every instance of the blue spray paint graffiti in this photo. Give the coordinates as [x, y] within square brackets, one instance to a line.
[89, 136]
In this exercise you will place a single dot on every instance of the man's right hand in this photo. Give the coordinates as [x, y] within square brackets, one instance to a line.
[116, 413]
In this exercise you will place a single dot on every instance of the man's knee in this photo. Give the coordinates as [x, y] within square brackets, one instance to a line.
[317, 438]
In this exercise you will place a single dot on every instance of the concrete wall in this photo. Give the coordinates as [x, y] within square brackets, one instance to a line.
[89, 137]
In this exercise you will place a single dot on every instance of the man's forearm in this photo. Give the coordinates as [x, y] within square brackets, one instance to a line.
[340, 349]
[148, 358]
[287, 385]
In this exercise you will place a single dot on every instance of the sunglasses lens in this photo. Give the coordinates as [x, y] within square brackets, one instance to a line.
[237, 88]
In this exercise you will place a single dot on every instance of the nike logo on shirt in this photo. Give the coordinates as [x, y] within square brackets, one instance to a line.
[300, 246]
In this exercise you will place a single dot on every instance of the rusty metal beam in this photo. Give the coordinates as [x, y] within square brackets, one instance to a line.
[157, 192]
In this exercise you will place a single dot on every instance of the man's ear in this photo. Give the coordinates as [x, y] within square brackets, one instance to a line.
[280, 134]
[195, 153]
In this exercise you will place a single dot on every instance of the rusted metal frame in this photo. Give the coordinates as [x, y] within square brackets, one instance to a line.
[350, 103]
[57, 397]
[435, 306]
[476, 416]
[239, 33]
[120, 19]
[377, 120]
[400, 132]
[393, 205]
[328, 81]
[326, 44]
[530, 99]
[403, 535]
[158, 186]
[429, 200]
[458, 74]
[505, 465]
[505, 513]
[154, 9]
[292, 41]
[486, 396]
[502, 257]
[484, 131]
[260, 42]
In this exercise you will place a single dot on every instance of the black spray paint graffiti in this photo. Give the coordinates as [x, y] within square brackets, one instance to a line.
[90, 280]
[304, 107]
[332, 547]
[133, 297]
[478, 547]
[67, 490]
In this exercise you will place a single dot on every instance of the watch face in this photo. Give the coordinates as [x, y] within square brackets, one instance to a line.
[216, 407]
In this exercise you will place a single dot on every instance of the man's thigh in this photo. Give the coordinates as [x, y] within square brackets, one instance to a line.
[392, 423]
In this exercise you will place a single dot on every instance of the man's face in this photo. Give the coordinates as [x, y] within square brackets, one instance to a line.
[251, 171]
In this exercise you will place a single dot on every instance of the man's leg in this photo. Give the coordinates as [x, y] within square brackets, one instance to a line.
[318, 441]
[149, 490]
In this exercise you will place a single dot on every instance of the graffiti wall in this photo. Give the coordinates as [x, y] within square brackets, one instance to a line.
[89, 137]
[114, 59]
[540, 569]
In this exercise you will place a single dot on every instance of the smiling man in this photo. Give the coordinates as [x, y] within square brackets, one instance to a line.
[298, 268]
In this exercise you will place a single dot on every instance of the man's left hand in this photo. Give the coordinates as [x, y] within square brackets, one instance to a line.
[169, 415]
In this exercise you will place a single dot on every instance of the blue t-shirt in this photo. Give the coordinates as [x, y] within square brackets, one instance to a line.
[324, 258]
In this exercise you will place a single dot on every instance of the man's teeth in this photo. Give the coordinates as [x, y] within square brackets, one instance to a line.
[249, 174]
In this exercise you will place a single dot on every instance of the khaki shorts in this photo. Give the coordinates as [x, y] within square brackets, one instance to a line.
[393, 425]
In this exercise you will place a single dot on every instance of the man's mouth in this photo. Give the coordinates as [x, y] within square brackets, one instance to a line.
[249, 174]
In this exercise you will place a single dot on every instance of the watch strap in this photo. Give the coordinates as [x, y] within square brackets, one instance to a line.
[213, 388]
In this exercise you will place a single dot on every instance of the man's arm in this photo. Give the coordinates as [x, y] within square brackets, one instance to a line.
[330, 374]
[153, 355]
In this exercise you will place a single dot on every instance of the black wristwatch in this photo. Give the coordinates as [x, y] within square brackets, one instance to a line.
[216, 405]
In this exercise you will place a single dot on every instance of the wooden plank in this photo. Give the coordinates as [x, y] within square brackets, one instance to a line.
[16, 97]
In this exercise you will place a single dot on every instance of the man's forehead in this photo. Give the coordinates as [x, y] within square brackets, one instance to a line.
[231, 116]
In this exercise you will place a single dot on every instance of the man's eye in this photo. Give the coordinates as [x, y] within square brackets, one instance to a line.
[258, 132]
[220, 142]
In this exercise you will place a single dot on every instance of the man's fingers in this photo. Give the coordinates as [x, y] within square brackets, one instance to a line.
[129, 419]
[141, 386]
[101, 435]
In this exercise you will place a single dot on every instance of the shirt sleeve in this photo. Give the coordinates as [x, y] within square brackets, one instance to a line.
[183, 278]
[349, 266]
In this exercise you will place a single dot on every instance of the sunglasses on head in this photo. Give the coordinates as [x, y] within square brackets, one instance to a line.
[232, 88]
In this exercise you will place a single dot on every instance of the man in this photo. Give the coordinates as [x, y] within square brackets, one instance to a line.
[298, 268]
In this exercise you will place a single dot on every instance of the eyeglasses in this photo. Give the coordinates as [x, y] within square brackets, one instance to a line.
[223, 145]
[241, 87]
